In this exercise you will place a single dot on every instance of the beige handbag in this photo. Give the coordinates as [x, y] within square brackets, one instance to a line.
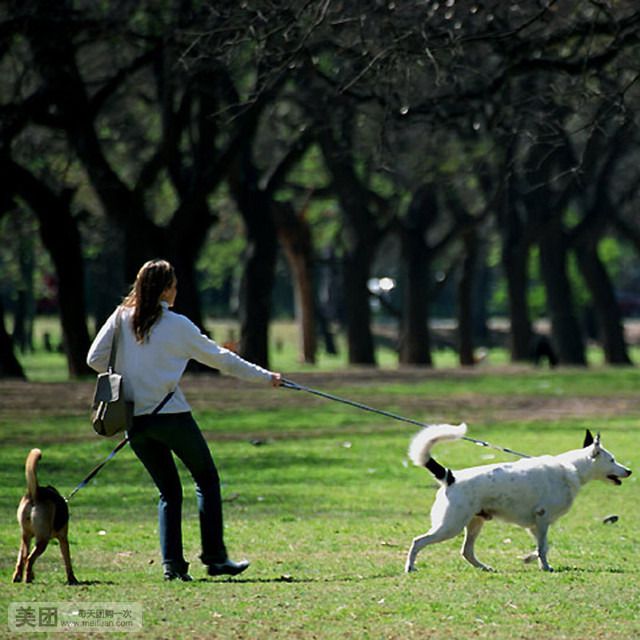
[111, 412]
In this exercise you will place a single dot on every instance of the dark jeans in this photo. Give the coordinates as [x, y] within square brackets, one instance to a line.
[153, 438]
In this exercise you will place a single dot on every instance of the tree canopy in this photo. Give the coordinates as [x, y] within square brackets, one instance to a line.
[434, 138]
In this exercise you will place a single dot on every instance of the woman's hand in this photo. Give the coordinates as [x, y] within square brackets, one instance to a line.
[276, 379]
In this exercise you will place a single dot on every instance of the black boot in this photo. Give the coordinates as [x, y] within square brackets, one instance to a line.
[227, 568]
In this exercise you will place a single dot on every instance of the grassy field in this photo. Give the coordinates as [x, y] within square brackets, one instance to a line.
[322, 500]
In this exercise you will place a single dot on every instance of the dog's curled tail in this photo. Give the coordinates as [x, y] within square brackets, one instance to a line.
[425, 440]
[30, 472]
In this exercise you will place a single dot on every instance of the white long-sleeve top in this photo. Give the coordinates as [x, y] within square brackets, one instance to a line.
[153, 368]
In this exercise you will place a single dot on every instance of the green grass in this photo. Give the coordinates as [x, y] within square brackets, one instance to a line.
[327, 507]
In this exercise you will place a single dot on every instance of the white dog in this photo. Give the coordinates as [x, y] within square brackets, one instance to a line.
[532, 492]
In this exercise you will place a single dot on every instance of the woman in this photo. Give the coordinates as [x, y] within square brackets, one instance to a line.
[154, 347]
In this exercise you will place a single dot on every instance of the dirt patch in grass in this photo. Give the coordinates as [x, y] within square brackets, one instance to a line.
[32, 400]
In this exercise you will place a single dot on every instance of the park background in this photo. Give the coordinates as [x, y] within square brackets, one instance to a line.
[336, 162]
[428, 207]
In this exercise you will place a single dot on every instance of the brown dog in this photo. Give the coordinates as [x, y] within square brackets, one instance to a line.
[43, 514]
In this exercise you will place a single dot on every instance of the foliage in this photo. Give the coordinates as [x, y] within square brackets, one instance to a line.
[220, 259]
[24, 266]
[152, 128]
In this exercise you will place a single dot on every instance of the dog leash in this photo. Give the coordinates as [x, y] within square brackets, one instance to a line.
[97, 468]
[119, 446]
[289, 384]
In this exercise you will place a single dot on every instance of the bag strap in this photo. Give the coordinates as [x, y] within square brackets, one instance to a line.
[163, 402]
[114, 340]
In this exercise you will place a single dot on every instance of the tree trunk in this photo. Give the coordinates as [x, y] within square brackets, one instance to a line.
[25, 308]
[547, 199]
[603, 155]
[61, 238]
[465, 301]
[361, 236]
[107, 268]
[9, 365]
[255, 207]
[415, 337]
[515, 264]
[515, 237]
[257, 286]
[63, 242]
[295, 237]
[481, 295]
[610, 324]
[355, 275]
[187, 234]
[330, 300]
[566, 332]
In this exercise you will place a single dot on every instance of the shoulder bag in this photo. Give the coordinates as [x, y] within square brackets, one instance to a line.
[111, 412]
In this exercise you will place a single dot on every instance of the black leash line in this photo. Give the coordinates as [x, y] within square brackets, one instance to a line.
[119, 446]
[289, 384]
[97, 468]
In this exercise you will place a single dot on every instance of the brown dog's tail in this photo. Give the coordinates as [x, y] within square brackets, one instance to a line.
[30, 472]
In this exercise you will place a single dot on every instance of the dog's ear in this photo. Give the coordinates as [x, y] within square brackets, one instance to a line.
[595, 452]
[588, 439]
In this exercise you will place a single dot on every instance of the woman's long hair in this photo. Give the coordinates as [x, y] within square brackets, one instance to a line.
[153, 278]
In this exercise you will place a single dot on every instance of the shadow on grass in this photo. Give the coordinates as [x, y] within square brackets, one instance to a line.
[591, 570]
[286, 579]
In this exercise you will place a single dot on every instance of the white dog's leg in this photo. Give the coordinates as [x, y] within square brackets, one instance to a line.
[437, 533]
[542, 527]
[471, 533]
[420, 543]
[531, 557]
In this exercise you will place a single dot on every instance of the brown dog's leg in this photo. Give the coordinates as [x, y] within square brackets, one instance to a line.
[23, 552]
[66, 556]
[38, 550]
